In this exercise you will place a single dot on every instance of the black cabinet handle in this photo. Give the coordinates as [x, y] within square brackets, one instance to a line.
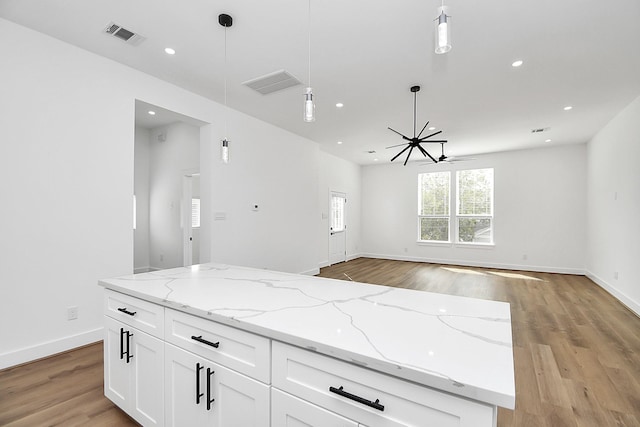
[203, 341]
[129, 355]
[125, 311]
[122, 353]
[341, 392]
[199, 368]
[210, 400]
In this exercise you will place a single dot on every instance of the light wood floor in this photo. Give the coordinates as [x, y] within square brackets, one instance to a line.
[576, 351]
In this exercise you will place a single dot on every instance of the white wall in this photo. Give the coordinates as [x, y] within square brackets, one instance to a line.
[282, 179]
[141, 191]
[339, 175]
[174, 152]
[540, 204]
[67, 119]
[614, 207]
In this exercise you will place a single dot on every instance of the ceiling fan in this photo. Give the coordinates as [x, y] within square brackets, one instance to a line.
[416, 140]
[445, 159]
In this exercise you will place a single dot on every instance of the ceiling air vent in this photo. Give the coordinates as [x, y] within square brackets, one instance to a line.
[123, 34]
[272, 82]
[539, 130]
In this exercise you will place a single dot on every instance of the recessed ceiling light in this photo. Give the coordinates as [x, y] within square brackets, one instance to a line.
[547, 140]
[339, 142]
[170, 51]
[375, 160]
[517, 63]
[432, 128]
[339, 105]
[567, 108]
[152, 113]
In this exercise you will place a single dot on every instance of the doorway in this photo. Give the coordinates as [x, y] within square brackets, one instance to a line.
[337, 228]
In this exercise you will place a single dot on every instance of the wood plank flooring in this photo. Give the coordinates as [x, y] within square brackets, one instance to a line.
[576, 352]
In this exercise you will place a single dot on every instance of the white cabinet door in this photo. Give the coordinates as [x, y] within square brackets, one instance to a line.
[147, 379]
[133, 372]
[289, 411]
[203, 393]
[116, 370]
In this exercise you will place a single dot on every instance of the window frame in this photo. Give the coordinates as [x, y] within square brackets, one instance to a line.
[436, 216]
[454, 216]
[459, 216]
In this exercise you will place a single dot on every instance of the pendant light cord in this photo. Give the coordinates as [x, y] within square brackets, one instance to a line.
[415, 106]
[309, 40]
[225, 82]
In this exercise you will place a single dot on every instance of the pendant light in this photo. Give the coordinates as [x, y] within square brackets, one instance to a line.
[443, 30]
[226, 21]
[309, 105]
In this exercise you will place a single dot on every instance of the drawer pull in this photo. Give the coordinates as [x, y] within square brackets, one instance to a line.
[203, 341]
[199, 368]
[340, 391]
[125, 311]
[210, 399]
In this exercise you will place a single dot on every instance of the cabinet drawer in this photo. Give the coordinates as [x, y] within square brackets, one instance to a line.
[289, 411]
[144, 315]
[241, 351]
[370, 397]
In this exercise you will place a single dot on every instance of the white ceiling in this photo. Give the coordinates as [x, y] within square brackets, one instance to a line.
[367, 53]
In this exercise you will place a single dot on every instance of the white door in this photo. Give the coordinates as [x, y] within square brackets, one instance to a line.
[186, 219]
[337, 228]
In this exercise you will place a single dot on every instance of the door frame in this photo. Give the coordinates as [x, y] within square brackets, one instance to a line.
[342, 194]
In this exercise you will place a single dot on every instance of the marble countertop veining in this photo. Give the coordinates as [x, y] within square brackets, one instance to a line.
[456, 344]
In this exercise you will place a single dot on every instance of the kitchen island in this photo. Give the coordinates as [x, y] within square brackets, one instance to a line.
[307, 349]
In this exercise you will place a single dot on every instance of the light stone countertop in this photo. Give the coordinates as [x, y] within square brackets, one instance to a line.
[456, 344]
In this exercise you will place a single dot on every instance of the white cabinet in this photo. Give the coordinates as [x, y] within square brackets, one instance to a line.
[133, 374]
[203, 393]
[289, 411]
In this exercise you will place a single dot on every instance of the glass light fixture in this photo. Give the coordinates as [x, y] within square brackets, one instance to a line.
[443, 30]
[309, 105]
[224, 151]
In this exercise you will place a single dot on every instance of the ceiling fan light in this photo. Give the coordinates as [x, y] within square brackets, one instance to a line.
[309, 106]
[443, 31]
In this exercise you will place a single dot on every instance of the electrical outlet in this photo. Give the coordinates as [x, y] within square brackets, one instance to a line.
[72, 313]
[524, 257]
[615, 275]
[161, 257]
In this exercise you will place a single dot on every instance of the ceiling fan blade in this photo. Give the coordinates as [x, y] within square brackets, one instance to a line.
[427, 153]
[408, 139]
[408, 155]
[397, 145]
[429, 136]
[422, 150]
[405, 149]
[438, 141]
[425, 126]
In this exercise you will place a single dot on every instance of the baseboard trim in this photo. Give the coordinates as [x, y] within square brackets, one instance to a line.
[518, 267]
[616, 293]
[46, 349]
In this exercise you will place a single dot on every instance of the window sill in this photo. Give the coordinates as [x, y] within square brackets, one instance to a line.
[434, 243]
[475, 245]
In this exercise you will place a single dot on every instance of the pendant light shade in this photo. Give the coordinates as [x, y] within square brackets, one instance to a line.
[224, 151]
[443, 31]
[309, 104]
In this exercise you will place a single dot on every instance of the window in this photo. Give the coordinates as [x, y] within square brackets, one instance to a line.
[195, 213]
[474, 207]
[433, 206]
[337, 213]
[474, 216]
